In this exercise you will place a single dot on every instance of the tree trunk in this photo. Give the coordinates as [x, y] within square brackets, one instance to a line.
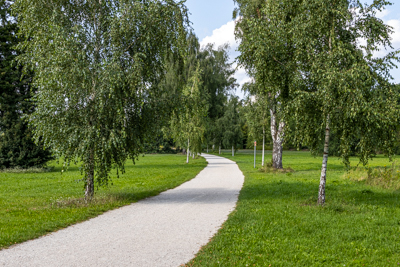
[89, 188]
[322, 183]
[187, 154]
[233, 152]
[277, 141]
[219, 150]
[193, 154]
[207, 148]
[263, 149]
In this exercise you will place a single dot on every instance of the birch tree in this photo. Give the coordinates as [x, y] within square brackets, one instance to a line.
[188, 123]
[344, 87]
[267, 53]
[257, 117]
[97, 65]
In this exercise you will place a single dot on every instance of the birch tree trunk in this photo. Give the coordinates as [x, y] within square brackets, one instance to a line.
[263, 149]
[322, 183]
[89, 188]
[277, 141]
[207, 148]
[220, 150]
[233, 152]
[187, 154]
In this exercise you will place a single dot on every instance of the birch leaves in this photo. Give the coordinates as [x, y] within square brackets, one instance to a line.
[308, 54]
[188, 123]
[97, 66]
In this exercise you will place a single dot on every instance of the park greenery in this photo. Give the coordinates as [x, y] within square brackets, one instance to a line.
[34, 202]
[17, 148]
[277, 222]
[95, 84]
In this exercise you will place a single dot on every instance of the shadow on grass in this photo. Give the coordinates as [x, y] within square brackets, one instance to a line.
[306, 194]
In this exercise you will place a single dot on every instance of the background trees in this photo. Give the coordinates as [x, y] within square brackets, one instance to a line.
[265, 29]
[307, 58]
[257, 115]
[17, 148]
[97, 66]
[189, 121]
[232, 125]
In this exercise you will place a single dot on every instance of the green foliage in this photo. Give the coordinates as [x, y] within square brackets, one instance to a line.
[306, 54]
[17, 148]
[343, 80]
[34, 204]
[277, 222]
[387, 176]
[97, 68]
[217, 82]
[257, 115]
[231, 125]
[188, 123]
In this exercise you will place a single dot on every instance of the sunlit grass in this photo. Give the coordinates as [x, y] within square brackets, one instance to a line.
[278, 223]
[35, 203]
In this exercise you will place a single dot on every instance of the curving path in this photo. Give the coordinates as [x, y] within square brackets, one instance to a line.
[166, 230]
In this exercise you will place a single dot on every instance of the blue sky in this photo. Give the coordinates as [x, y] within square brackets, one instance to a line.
[212, 23]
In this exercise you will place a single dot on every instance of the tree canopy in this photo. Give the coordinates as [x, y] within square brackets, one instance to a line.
[97, 68]
[17, 148]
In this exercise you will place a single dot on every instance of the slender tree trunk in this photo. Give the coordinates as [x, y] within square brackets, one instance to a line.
[233, 152]
[187, 154]
[89, 188]
[207, 148]
[322, 183]
[220, 150]
[263, 149]
[193, 154]
[277, 141]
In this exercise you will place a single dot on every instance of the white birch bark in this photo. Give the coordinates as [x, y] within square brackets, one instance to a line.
[187, 153]
[277, 140]
[233, 152]
[322, 183]
[219, 150]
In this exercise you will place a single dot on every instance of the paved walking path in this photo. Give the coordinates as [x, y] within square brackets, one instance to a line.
[166, 230]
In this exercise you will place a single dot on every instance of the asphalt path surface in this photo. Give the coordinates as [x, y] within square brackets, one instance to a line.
[166, 230]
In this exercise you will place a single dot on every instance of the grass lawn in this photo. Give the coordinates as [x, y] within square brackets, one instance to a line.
[277, 221]
[33, 204]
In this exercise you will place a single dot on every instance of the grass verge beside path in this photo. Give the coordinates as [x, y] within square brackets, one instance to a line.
[277, 221]
[33, 204]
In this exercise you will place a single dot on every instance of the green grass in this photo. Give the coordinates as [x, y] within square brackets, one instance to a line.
[33, 204]
[277, 221]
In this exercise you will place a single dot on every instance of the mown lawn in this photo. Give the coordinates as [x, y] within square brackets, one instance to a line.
[33, 204]
[277, 221]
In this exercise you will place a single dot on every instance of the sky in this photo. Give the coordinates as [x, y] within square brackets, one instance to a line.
[212, 23]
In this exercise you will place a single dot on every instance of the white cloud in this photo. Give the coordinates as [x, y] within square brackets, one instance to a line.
[224, 34]
[395, 23]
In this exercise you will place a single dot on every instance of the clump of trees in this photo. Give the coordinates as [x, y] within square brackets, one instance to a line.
[305, 57]
[111, 77]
